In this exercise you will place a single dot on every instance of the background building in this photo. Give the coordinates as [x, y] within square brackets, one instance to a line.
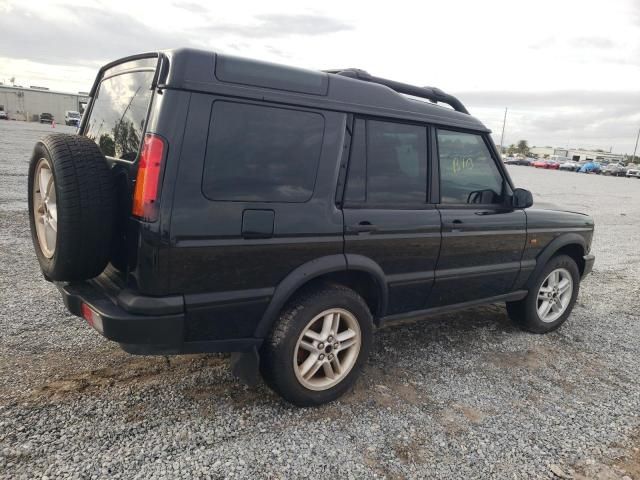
[576, 154]
[27, 104]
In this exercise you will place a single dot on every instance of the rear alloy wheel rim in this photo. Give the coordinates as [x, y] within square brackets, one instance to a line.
[327, 349]
[554, 295]
[45, 209]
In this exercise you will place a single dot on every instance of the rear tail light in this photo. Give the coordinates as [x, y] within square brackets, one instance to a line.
[92, 317]
[147, 192]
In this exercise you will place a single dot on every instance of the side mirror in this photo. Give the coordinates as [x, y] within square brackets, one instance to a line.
[521, 198]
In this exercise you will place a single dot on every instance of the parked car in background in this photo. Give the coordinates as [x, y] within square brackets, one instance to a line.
[72, 118]
[553, 164]
[633, 170]
[550, 164]
[46, 118]
[615, 169]
[3, 115]
[570, 165]
[539, 164]
[517, 161]
[590, 167]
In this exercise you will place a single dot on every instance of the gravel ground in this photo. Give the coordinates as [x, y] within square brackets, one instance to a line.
[463, 395]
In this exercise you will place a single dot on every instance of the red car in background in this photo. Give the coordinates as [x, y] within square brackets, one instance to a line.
[546, 164]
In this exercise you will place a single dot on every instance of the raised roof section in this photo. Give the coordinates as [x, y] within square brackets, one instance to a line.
[222, 74]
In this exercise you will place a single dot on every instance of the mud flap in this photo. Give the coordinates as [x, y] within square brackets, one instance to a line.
[245, 366]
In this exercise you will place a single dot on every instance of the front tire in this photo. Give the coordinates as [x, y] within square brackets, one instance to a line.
[318, 346]
[551, 298]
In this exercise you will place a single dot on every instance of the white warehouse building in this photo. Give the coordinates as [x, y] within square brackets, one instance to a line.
[576, 154]
[27, 104]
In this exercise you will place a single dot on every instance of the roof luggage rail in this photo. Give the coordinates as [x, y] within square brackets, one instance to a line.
[430, 93]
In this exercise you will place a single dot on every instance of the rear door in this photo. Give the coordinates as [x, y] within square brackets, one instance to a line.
[386, 213]
[482, 238]
[117, 121]
[254, 199]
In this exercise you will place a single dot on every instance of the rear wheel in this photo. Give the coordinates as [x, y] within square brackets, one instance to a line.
[551, 299]
[318, 346]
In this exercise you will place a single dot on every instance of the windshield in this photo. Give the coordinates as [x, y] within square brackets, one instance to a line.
[74, 115]
[119, 112]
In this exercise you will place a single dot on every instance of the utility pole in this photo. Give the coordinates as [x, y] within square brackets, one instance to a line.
[504, 122]
[633, 159]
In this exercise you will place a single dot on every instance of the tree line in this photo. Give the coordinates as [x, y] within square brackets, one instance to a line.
[522, 148]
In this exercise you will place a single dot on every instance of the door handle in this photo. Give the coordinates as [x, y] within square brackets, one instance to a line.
[362, 227]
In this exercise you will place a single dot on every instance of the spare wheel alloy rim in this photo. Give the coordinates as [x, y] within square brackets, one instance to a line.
[45, 208]
[327, 349]
[554, 295]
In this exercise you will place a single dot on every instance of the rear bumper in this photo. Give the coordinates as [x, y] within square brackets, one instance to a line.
[589, 260]
[150, 329]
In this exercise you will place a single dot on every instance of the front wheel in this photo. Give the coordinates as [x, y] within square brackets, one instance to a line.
[551, 299]
[318, 346]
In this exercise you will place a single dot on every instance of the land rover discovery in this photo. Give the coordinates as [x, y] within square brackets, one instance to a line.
[211, 203]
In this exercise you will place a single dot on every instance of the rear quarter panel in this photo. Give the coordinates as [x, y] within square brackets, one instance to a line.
[149, 243]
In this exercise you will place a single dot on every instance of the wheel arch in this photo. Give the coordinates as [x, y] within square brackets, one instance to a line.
[359, 273]
[570, 244]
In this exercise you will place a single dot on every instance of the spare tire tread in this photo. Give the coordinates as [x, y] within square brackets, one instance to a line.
[86, 207]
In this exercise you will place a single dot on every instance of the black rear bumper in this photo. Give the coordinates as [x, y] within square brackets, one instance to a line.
[145, 326]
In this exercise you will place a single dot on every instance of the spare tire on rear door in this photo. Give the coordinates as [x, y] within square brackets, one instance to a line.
[71, 207]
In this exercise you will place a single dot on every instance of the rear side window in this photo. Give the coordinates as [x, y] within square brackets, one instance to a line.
[388, 164]
[468, 173]
[262, 154]
[119, 112]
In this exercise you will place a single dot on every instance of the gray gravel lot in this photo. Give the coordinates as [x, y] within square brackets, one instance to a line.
[463, 395]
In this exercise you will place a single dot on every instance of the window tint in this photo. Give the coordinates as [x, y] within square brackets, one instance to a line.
[119, 112]
[468, 173]
[264, 154]
[392, 157]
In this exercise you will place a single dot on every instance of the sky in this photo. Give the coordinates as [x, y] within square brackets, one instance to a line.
[568, 71]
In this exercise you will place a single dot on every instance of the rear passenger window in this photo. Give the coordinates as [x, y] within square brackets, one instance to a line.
[262, 154]
[119, 111]
[468, 173]
[388, 164]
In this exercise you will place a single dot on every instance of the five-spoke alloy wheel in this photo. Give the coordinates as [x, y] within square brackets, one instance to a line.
[318, 345]
[327, 349]
[551, 297]
[45, 210]
[554, 295]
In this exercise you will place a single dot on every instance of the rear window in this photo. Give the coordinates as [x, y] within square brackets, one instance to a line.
[262, 154]
[119, 113]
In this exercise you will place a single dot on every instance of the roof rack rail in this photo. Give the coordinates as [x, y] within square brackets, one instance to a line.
[430, 93]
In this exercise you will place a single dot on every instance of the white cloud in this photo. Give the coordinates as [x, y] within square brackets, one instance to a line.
[523, 50]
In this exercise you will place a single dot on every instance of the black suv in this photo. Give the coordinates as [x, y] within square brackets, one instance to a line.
[46, 118]
[218, 204]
